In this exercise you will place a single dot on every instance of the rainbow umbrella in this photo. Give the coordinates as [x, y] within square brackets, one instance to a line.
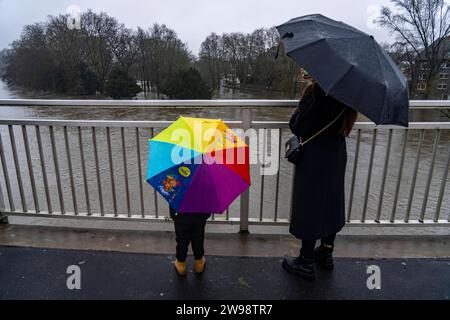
[198, 165]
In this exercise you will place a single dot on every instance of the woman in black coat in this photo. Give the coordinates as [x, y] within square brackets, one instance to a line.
[318, 210]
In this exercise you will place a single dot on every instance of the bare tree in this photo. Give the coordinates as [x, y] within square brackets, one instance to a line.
[142, 58]
[167, 55]
[50, 56]
[424, 27]
[30, 62]
[249, 60]
[160, 54]
[66, 52]
[124, 47]
[99, 37]
[211, 58]
[265, 67]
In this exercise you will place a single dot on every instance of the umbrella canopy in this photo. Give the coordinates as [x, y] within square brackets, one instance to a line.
[198, 165]
[348, 65]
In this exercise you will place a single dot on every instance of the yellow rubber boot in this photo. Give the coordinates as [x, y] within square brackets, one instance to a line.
[199, 266]
[180, 267]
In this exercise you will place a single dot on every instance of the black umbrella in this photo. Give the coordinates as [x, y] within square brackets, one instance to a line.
[348, 65]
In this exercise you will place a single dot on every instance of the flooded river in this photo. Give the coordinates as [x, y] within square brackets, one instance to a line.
[265, 209]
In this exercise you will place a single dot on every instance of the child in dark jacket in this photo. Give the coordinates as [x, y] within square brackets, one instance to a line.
[189, 228]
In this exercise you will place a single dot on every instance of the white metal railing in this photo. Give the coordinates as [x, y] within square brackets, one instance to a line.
[94, 168]
[414, 104]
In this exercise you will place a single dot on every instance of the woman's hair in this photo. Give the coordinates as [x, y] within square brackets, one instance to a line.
[350, 115]
[309, 90]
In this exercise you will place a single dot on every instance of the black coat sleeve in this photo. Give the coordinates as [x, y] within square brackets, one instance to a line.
[304, 120]
[293, 120]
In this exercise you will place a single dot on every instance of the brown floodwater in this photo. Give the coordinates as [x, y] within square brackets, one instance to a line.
[265, 209]
[271, 182]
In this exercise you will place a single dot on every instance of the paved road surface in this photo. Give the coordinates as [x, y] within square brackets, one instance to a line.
[32, 273]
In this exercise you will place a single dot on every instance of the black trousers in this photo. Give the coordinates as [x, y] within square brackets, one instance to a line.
[307, 249]
[189, 229]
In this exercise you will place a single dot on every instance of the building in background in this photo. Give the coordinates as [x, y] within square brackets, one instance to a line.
[432, 84]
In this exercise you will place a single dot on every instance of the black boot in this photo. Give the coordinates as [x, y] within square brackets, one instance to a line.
[301, 266]
[324, 257]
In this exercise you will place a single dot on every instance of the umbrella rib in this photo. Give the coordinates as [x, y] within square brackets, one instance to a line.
[174, 164]
[352, 66]
[340, 78]
[384, 84]
[350, 28]
[379, 61]
[316, 41]
[215, 190]
[391, 62]
[190, 182]
[305, 46]
[191, 131]
[237, 175]
[216, 128]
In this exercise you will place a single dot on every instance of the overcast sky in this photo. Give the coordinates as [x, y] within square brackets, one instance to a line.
[193, 20]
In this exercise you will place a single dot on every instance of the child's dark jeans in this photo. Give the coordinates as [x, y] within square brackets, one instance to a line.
[189, 228]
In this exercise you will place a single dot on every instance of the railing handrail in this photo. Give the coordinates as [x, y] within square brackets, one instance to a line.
[414, 104]
[150, 103]
[165, 123]
[50, 164]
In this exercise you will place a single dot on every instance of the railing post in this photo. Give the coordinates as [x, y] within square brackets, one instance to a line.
[3, 216]
[246, 116]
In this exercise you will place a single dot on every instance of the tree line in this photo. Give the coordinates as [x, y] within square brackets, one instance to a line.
[103, 56]
[239, 59]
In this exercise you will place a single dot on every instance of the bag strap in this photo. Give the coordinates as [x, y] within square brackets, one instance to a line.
[302, 143]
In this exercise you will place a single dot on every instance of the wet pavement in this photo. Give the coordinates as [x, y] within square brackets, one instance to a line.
[36, 273]
[222, 241]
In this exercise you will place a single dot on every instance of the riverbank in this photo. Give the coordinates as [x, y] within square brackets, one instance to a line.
[14, 92]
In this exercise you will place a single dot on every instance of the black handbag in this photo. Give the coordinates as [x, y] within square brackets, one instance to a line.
[293, 149]
[294, 145]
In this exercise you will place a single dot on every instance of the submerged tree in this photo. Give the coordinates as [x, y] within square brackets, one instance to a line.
[159, 55]
[187, 84]
[30, 62]
[212, 60]
[239, 59]
[120, 85]
[50, 56]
